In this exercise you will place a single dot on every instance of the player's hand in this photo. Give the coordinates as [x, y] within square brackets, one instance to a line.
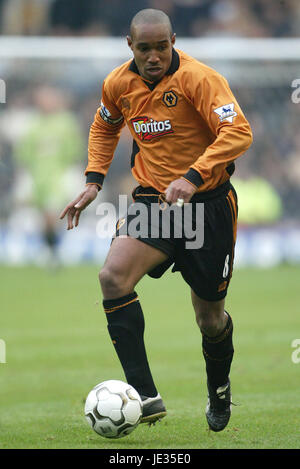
[179, 189]
[74, 208]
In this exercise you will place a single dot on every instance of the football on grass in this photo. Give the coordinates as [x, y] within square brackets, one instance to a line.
[113, 409]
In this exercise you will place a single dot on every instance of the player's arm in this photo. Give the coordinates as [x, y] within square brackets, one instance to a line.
[103, 139]
[217, 105]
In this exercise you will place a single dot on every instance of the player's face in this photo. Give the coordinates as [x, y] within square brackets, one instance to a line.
[152, 49]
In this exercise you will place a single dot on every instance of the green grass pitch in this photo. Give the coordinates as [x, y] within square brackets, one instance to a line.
[58, 348]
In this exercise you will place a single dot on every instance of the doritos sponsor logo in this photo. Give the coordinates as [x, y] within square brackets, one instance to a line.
[147, 129]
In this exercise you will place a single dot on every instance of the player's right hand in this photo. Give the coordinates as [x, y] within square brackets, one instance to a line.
[74, 208]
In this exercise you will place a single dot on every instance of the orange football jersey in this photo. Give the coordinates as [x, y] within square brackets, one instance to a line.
[189, 125]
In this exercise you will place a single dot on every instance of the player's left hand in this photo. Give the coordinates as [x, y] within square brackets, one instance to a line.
[179, 189]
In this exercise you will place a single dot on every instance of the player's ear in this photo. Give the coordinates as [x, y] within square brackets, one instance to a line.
[129, 41]
[173, 39]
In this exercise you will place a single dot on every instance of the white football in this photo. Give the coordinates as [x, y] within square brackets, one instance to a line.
[113, 409]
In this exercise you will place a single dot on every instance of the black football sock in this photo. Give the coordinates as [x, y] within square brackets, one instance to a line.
[126, 328]
[218, 353]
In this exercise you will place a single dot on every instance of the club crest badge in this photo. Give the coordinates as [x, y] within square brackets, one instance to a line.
[170, 99]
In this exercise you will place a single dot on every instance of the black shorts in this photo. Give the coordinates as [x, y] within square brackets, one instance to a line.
[199, 238]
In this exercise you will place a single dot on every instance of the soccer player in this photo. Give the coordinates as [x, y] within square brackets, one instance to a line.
[187, 130]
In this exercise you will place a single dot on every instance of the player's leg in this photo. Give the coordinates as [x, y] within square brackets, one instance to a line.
[208, 271]
[210, 315]
[127, 262]
[217, 345]
[216, 327]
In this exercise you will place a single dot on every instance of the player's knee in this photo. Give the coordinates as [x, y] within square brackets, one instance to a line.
[110, 282]
[208, 325]
[114, 283]
[209, 315]
[210, 321]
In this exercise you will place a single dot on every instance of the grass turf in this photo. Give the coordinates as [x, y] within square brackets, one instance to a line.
[58, 348]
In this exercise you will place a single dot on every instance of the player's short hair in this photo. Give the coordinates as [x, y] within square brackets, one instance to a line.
[150, 16]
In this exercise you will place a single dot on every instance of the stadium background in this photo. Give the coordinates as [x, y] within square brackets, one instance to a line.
[56, 91]
[54, 345]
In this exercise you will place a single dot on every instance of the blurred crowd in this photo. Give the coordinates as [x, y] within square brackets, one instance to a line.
[44, 124]
[44, 128]
[191, 18]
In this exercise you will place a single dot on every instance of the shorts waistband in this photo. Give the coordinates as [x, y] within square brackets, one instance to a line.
[198, 197]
